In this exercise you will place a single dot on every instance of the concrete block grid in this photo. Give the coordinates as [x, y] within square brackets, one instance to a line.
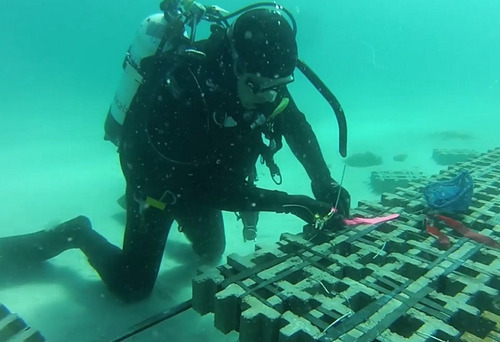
[452, 156]
[388, 181]
[14, 329]
[389, 282]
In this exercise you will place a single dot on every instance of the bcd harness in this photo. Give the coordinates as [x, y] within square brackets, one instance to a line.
[193, 55]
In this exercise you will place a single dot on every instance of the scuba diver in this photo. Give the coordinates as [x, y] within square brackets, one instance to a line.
[188, 139]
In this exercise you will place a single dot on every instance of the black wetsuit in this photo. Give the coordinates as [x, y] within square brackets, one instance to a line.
[187, 150]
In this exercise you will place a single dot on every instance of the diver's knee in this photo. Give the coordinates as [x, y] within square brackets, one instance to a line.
[129, 288]
[210, 250]
[132, 294]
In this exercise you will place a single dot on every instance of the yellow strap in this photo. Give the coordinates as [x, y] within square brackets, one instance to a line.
[280, 108]
[155, 203]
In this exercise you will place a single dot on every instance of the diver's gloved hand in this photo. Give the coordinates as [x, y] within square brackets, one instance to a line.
[331, 221]
[329, 192]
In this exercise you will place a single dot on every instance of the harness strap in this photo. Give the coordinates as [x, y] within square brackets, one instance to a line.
[458, 227]
[433, 230]
[268, 157]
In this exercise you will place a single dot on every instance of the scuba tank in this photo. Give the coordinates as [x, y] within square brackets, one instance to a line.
[149, 40]
[156, 35]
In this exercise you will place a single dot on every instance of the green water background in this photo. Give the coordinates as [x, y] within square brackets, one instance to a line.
[406, 72]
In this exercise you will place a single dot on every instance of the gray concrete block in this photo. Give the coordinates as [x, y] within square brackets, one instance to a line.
[297, 329]
[205, 286]
[227, 308]
[14, 329]
[259, 323]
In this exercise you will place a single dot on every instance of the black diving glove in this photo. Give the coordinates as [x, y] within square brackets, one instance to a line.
[329, 192]
[331, 221]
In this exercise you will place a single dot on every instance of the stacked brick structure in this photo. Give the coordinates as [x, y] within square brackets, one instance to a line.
[14, 329]
[387, 282]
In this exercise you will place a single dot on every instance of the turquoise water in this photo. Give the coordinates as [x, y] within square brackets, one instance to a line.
[406, 73]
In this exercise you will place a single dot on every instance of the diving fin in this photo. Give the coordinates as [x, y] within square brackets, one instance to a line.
[45, 244]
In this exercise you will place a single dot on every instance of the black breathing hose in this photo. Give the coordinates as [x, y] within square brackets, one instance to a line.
[154, 320]
[332, 100]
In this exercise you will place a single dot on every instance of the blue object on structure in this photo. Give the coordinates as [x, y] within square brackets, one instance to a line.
[451, 196]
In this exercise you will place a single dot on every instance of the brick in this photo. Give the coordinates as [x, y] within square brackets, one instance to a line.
[258, 321]
[204, 287]
[227, 310]
[297, 329]
[14, 329]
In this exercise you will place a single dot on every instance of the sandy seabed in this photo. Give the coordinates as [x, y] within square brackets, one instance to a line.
[54, 169]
